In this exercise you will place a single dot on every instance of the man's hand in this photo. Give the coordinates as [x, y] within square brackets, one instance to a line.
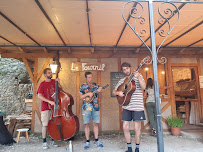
[136, 74]
[120, 94]
[99, 90]
[52, 103]
[90, 94]
[58, 79]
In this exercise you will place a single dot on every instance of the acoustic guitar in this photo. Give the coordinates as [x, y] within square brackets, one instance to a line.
[89, 100]
[128, 87]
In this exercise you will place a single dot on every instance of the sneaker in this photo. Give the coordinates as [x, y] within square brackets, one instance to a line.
[98, 144]
[129, 149]
[53, 143]
[45, 145]
[154, 132]
[137, 150]
[87, 145]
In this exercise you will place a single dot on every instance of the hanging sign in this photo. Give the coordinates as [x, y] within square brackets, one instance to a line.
[87, 66]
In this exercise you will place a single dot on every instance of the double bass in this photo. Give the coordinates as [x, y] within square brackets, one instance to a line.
[128, 86]
[63, 124]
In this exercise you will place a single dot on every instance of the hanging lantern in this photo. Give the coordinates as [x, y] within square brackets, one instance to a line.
[53, 66]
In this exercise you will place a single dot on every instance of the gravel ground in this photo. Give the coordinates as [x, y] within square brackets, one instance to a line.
[112, 143]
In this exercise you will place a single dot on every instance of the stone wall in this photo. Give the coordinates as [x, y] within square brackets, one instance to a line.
[15, 84]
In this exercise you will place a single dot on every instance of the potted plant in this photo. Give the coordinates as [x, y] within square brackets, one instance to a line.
[175, 123]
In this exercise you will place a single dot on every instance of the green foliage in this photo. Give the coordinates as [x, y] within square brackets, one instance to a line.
[79, 134]
[174, 122]
[111, 133]
[121, 133]
[33, 135]
[132, 132]
[40, 137]
[3, 73]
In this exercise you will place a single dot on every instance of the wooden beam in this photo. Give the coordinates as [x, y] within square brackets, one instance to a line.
[172, 92]
[145, 126]
[120, 107]
[201, 91]
[42, 70]
[78, 90]
[115, 50]
[21, 50]
[34, 105]
[164, 120]
[45, 50]
[182, 51]
[200, 51]
[69, 51]
[95, 55]
[92, 50]
[137, 50]
[100, 96]
[160, 50]
[165, 107]
[2, 50]
[28, 69]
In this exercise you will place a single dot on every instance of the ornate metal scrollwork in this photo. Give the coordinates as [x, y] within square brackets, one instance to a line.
[137, 16]
[165, 15]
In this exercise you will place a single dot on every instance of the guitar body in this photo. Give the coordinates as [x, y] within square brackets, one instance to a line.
[128, 90]
[89, 100]
[128, 86]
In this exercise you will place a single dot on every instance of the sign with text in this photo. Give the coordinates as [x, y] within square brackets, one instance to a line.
[115, 77]
[87, 66]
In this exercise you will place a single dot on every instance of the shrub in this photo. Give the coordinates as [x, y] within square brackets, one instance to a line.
[174, 122]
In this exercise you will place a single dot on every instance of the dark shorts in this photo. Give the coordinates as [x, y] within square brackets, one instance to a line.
[133, 115]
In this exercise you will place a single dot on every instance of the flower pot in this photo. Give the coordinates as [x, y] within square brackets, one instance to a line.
[175, 131]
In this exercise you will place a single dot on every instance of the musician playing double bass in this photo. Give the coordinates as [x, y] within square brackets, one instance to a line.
[135, 109]
[45, 91]
[90, 109]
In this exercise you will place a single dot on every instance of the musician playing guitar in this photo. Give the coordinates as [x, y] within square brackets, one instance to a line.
[90, 108]
[135, 109]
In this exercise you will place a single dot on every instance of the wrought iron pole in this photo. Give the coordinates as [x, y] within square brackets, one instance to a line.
[160, 142]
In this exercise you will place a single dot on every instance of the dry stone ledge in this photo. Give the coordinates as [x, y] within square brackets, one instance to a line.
[15, 84]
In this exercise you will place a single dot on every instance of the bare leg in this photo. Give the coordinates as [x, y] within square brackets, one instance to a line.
[126, 131]
[137, 132]
[96, 130]
[87, 131]
[44, 131]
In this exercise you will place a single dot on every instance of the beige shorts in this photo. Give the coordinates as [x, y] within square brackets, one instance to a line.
[45, 117]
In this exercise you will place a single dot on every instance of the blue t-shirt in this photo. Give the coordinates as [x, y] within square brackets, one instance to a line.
[85, 89]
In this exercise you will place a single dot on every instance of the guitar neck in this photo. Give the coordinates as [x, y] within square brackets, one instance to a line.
[138, 67]
[132, 75]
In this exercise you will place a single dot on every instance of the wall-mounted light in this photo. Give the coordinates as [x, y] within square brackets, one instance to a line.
[162, 72]
[53, 66]
[146, 69]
